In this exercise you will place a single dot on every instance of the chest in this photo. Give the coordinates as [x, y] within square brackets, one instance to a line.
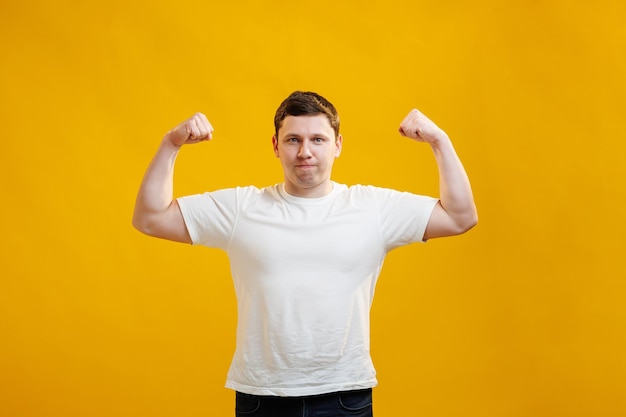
[333, 238]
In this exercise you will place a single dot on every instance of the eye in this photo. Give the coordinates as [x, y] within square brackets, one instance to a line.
[292, 140]
[318, 140]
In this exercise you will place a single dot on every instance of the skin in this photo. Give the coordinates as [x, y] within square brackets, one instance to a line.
[306, 147]
[455, 213]
[156, 213]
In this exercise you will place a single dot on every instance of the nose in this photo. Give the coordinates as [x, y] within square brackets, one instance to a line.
[304, 151]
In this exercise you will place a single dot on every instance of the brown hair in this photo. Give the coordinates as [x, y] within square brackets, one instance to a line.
[302, 103]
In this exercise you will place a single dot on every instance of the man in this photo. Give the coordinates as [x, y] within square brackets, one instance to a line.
[305, 255]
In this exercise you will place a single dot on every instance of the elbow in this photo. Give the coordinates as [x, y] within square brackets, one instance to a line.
[468, 222]
[138, 225]
[463, 221]
[445, 223]
[471, 224]
[142, 224]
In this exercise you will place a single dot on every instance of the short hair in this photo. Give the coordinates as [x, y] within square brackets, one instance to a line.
[302, 103]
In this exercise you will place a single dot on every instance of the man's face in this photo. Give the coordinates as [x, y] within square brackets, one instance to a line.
[307, 148]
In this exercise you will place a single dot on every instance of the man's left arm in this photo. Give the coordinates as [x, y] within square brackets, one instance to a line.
[455, 213]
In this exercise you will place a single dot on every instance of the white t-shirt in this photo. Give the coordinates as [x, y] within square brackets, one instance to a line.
[304, 271]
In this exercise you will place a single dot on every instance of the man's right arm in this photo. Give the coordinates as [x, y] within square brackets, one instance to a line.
[156, 211]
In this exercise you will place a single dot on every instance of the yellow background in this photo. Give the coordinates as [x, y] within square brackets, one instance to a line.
[522, 317]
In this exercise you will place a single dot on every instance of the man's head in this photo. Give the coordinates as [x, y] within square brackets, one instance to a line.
[307, 141]
[306, 103]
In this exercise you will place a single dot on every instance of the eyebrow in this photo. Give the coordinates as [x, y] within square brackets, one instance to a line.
[315, 135]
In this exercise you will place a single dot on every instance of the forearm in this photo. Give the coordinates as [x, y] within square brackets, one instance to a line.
[454, 187]
[156, 192]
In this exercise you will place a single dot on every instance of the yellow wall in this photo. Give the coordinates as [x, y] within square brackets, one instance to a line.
[524, 316]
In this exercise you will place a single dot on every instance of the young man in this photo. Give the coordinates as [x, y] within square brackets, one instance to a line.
[305, 255]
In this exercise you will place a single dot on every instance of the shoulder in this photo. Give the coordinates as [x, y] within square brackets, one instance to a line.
[248, 197]
[227, 202]
[367, 191]
[239, 192]
[224, 197]
[384, 197]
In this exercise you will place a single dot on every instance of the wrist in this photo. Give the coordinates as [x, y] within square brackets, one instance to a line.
[169, 144]
[441, 142]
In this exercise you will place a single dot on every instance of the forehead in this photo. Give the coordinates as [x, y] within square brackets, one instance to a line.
[306, 124]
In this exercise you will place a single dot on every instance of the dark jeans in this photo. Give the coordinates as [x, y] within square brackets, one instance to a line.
[357, 403]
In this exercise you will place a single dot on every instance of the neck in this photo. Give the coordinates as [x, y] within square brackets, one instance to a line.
[316, 191]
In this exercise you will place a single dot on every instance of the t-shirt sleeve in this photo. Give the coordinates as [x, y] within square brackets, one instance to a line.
[403, 216]
[210, 217]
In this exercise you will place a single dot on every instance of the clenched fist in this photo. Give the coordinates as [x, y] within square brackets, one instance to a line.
[420, 128]
[193, 130]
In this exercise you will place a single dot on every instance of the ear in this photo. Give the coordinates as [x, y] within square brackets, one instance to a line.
[338, 145]
[275, 145]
